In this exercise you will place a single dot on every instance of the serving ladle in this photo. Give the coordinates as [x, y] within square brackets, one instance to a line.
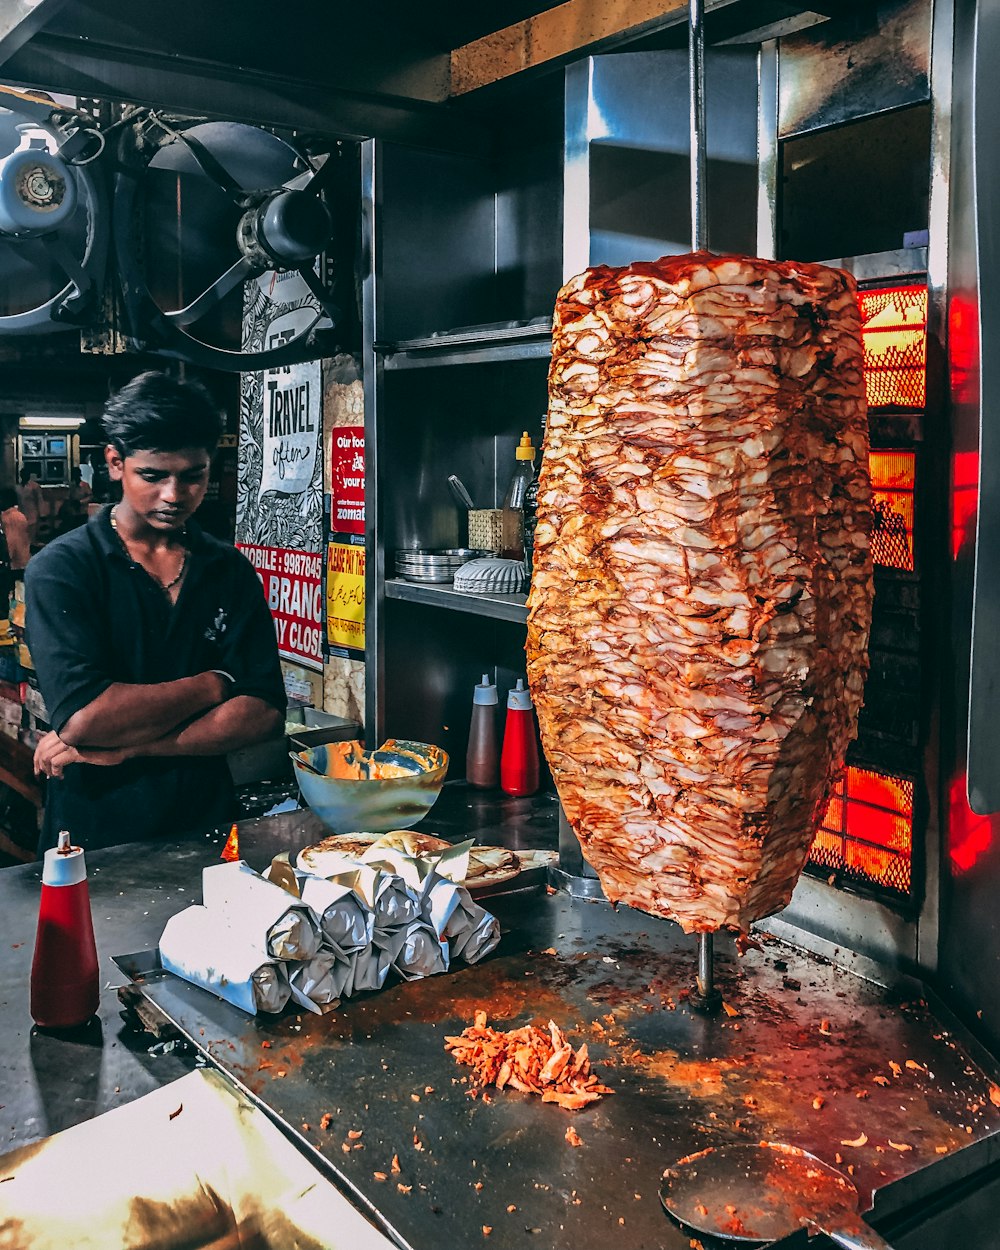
[761, 1192]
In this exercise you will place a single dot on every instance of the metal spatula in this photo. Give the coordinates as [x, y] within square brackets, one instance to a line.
[761, 1192]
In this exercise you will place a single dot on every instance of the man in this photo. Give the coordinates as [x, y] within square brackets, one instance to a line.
[15, 549]
[29, 496]
[152, 641]
[15, 530]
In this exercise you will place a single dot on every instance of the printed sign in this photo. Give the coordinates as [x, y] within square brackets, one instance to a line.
[347, 480]
[279, 489]
[293, 587]
[292, 412]
[345, 596]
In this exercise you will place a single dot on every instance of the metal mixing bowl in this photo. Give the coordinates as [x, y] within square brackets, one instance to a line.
[373, 806]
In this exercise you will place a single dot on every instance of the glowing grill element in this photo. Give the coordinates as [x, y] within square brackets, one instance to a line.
[867, 832]
[894, 335]
[892, 507]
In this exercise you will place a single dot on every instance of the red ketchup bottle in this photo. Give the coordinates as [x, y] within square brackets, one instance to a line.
[64, 983]
[519, 757]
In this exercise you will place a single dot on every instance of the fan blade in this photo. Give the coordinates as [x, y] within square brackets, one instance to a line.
[212, 295]
[317, 181]
[319, 291]
[213, 168]
[67, 262]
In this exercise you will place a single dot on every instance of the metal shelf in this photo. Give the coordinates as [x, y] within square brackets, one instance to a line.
[482, 346]
[497, 607]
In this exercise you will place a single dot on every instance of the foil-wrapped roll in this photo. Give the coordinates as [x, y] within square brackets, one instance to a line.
[395, 906]
[470, 931]
[346, 920]
[264, 914]
[318, 984]
[418, 952]
[200, 947]
[370, 967]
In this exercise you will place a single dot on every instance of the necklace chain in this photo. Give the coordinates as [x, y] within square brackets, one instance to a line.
[166, 587]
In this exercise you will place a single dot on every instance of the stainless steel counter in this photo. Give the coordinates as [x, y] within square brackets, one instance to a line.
[807, 1058]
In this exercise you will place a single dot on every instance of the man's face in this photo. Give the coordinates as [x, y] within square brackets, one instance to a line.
[163, 488]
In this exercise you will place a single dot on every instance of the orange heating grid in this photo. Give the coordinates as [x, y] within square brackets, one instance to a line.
[893, 479]
[866, 834]
[894, 338]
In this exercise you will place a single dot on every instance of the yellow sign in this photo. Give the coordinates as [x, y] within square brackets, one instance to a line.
[345, 596]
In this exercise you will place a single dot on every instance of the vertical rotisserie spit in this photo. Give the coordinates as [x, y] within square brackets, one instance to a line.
[701, 596]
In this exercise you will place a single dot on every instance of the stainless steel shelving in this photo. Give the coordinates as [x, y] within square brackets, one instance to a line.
[496, 607]
[487, 346]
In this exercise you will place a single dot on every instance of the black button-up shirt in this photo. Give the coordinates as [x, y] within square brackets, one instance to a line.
[94, 618]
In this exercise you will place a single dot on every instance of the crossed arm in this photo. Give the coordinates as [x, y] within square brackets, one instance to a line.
[190, 716]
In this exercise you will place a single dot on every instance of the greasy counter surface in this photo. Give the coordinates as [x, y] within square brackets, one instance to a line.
[804, 1054]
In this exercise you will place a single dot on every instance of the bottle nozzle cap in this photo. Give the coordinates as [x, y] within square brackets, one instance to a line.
[525, 449]
[64, 864]
[519, 698]
[486, 692]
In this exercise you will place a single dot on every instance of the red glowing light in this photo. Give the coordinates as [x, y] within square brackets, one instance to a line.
[867, 830]
[894, 339]
[969, 836]
[964, 499]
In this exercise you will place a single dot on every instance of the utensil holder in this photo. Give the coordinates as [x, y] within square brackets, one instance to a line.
[485, 528]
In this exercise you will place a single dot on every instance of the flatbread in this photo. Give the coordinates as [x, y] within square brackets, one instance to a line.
[488, 865]
[326, 857]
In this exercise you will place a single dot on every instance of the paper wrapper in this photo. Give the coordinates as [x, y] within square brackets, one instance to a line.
[346, 920]
[260, 911]
[318, 984]
[370, 967]
[200, 947]
[417, 951]
[470, 930]
[192, 1164]
[452, 863]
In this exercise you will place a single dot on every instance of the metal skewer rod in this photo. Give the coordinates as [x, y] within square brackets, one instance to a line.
[708, 996]
[699, 161]
[705, 997]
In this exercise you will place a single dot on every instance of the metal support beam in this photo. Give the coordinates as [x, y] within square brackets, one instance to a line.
[75, 67]
[572, 29]
[20, 20]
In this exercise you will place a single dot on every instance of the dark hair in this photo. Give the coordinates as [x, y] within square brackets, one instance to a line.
[26, 475]
[155, 412]
[8, 498]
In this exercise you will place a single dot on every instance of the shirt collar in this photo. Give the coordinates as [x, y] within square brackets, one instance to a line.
[103, 534]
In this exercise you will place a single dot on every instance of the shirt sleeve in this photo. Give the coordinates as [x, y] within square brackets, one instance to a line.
[249, 645]
[66, 631]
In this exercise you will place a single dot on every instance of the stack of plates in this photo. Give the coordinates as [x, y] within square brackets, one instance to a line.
[433, 566]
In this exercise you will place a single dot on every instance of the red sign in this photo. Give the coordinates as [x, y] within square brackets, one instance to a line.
[347, 479]
[293, 587]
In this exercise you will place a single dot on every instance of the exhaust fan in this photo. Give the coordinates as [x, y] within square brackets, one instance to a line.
[210, 220]
[53, 228]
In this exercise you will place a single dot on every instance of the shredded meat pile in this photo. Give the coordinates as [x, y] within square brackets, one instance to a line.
[701, 595]
[529, 1060]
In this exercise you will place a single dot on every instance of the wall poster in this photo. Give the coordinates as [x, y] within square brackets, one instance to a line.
[347, 480]
[345, 596]
[279, 502]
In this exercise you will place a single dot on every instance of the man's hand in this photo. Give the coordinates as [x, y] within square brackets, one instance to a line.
[52, 755]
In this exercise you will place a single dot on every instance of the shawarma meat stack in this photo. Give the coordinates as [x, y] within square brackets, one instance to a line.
[702, 584]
